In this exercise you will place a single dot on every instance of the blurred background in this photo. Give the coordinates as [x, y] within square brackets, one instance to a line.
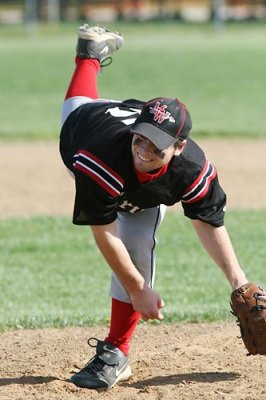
[17, 11]
[210, 53]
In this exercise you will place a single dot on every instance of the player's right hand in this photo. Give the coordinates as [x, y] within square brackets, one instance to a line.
[148, 303]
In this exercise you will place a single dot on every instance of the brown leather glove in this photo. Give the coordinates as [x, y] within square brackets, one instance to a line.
[249, 306]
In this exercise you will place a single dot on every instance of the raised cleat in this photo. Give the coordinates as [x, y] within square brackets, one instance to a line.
[96, 42]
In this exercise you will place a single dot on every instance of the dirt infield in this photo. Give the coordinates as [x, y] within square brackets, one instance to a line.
[170, 362]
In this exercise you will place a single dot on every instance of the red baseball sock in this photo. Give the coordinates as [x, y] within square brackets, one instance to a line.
[124, 320]
[84, 79]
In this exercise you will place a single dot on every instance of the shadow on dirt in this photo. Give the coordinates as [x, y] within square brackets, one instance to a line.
[27, 380]
[185, 379]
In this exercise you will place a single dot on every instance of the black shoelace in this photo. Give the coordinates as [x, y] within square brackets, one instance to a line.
[96, 365]
[106, 62]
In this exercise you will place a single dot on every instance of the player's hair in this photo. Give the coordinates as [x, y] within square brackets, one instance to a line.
[179, 142]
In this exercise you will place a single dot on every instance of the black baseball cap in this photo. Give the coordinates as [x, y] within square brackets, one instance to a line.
[163, 121]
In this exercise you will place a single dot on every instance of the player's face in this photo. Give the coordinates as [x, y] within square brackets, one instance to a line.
[147, 157]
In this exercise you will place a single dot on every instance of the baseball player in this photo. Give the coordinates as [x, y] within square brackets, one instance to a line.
[130, 160]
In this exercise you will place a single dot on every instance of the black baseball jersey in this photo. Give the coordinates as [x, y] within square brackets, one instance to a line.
[95, 143]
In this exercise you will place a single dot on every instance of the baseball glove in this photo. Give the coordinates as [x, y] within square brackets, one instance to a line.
[249, 306]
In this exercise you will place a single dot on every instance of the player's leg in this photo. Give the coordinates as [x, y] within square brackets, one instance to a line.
[110, 364]
[83, 86]
[94, 45]
[138, 233]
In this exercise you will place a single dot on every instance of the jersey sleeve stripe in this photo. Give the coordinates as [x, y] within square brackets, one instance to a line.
[101, 173]
[97, 178]
[91, 157]
[198, 181]
[203, 188]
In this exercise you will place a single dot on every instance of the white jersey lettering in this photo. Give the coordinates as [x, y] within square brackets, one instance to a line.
[129, 207]
[118, 113]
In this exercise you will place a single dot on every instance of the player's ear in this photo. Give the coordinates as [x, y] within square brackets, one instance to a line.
[179, 147]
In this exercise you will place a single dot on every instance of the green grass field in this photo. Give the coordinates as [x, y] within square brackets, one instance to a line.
[52, 275]
[219, 75]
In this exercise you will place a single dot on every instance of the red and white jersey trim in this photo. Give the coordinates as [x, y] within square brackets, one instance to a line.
[199, 188]
[101, 173]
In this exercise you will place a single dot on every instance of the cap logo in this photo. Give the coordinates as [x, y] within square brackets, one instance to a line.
[160, 113]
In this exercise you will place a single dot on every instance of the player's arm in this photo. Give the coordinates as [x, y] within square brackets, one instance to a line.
[144, 299]
[217, 243]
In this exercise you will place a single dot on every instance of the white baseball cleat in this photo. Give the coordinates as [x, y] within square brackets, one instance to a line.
[98, 43]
